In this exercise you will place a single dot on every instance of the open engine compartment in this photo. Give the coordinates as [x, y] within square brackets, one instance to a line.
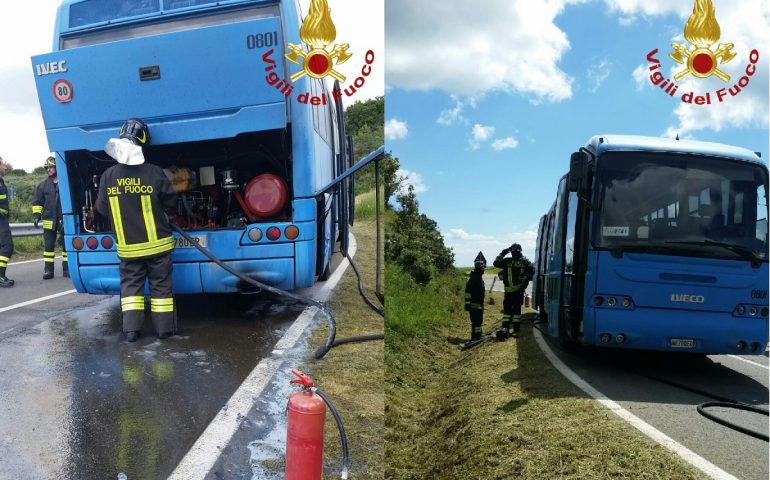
[223, 183]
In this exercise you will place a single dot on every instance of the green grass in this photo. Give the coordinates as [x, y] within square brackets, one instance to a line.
[27, 248]
[499, 410]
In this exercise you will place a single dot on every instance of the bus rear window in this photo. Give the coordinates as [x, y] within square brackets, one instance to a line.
[177, 4]
[97, 11]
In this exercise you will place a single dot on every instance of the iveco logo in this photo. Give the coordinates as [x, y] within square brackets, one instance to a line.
[51, 67]
[678, 297]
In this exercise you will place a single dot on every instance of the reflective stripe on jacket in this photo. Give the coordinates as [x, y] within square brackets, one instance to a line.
[4, 204]
[47, 203]
[134, 197]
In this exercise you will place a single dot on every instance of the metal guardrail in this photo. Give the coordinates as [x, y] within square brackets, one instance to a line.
[25, 230]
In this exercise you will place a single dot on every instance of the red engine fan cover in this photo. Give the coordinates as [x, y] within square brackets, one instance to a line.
[266, 194]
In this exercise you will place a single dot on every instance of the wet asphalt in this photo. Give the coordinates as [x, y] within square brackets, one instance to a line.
[664, 390]
[77, 401]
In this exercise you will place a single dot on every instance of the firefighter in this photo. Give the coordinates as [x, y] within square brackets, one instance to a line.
[474, 298]
[47, 207]
[134, 195]
[6, 241]
[517, 272]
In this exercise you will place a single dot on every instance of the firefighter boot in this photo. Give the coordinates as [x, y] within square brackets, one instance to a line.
[5, 282]
[132, 336]
[48, 271]
[65, 269]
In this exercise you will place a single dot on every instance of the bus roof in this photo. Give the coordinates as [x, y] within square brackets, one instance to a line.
[605, 143]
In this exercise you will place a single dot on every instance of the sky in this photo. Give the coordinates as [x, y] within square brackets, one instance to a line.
[485, 101]
[26, 29]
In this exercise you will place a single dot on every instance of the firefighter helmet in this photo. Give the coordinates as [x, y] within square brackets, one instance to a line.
[479, 265]
[136, 131]
[49, 162]
[515, 248]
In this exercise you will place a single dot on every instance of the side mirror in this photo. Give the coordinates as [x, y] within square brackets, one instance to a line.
[577, 171]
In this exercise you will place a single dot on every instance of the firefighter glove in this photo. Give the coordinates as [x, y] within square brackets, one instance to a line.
[37, 220]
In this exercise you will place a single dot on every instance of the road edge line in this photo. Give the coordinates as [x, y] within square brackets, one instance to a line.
[37, 300]
[654, 434]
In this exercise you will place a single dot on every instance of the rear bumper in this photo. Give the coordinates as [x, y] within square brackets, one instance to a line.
[654, 329]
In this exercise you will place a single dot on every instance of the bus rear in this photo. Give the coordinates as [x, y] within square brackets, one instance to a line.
[670, 253]
[247, 166]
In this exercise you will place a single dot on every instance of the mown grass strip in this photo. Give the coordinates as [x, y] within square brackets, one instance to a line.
[497, 411]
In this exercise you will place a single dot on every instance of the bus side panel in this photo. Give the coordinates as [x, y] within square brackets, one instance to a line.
[305, 260]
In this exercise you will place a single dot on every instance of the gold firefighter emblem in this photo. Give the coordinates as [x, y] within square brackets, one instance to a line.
[318, 32]
[702, 31]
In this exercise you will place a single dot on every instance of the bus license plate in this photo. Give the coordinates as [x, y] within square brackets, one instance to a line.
[683, 343]
[181, 242]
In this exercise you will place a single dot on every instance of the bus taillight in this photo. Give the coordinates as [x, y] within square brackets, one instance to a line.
[107, 242]
[273, 233]
[266, 195]
[77, 243]
[92, 243]
[291, 232]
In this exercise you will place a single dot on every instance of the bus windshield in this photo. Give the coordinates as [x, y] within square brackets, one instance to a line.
[681, 205]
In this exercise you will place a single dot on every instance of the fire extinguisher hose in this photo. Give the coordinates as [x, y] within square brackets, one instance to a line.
[277, 291]
[340, 427]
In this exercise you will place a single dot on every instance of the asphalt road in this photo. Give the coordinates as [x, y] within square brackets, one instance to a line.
[645, 384]
[77, 401]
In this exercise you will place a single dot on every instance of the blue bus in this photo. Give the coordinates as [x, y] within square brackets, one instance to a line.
[657, 244]
[249, 161]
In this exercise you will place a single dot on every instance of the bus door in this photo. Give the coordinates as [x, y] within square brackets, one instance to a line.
[555, 262]
[343, 160]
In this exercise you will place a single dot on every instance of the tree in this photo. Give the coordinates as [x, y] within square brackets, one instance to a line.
[415, 242]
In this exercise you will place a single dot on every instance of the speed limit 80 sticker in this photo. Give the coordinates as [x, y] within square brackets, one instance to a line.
[62, 91]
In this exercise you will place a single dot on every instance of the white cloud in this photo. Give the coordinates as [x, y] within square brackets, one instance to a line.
[598, 74]
[395, 129]
[471, 48]
[506, 143]
[742, 23]
[641, 76]
[410, 178]
[467, 245]
[480, 134]
[453, 115]
[629, 9]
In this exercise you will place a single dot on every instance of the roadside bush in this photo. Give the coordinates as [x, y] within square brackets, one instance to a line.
[414, 242]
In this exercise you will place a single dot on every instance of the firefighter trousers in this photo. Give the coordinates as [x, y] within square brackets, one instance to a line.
[477, 318]
[512, 310]
[6, 244]
[49, 248]
[157, 271]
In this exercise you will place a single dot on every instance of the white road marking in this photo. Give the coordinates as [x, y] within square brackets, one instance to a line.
[203, 455]
[28, 261]
[37, 300]
[749, 361]
[656, 435]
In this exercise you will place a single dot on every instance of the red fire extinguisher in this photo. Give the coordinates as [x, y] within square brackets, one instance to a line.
[305, 432]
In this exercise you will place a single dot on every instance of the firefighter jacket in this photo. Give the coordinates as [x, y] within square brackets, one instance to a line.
[134, 197]
[4, 203]
[474, 292]
[516, 272]
[47, 203]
